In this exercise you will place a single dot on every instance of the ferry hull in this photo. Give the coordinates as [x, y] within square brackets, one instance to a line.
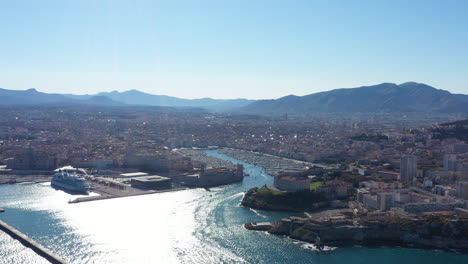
[70, 187]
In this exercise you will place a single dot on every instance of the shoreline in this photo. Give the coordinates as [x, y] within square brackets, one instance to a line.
[424, 232]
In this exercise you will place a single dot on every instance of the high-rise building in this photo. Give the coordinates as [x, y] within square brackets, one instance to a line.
[385, 201]
[407, 168]
[462, 189]
[450, 162]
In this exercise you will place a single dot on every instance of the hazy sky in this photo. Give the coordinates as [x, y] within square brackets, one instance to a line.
[231, 48]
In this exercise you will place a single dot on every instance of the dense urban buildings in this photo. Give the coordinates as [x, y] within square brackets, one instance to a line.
[389, 163]
[408, 168]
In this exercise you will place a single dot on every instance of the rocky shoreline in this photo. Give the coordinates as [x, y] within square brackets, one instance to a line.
[267, 199]
[429, 231]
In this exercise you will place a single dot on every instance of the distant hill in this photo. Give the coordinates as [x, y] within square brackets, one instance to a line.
[135, 97]
[385, 97]
[457, 129]
[101, 100]
[459, 123]
[132, 97]
[34, 97]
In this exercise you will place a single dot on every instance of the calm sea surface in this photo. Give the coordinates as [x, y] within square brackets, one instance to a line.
[192, 226]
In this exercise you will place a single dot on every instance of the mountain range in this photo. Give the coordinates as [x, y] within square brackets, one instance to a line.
[385, 97]
[135, 97]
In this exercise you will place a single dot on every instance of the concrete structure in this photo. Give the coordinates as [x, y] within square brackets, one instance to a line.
[110, 183]
[127, 176]
[36, 247]
[389, 175]
[443, 190]
[431, 207]
[289, 183]
[157, 162]
[408, 168]
[462, 189]
[151, 182]
[385, 201]
[209, 177]
[370, 201]
[335, 189]
[32, 160]
[450, 162]
[96, 164]
[360, 193]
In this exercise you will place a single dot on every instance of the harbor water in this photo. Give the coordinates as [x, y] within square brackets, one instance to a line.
[190, 226]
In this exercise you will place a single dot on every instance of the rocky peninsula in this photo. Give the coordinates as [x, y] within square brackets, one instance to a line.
[268, 199]
[424, 231]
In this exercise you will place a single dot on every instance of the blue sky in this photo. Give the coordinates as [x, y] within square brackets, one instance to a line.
[231, 48]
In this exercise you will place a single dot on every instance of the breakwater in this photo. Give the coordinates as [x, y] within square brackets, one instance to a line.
[28, 242]
[104, 197]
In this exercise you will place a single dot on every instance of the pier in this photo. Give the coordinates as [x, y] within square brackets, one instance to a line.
[10, 179]
[28, 242]
[106, 196]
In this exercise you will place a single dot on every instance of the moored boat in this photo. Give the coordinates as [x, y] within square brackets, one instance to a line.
[71, 179]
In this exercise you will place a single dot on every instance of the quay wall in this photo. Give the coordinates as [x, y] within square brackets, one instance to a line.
[26, 241]
[107, 197]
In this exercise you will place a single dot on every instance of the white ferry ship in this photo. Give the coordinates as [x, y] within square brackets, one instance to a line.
[71, 179]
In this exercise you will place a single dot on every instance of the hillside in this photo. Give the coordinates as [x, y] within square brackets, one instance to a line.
[132, 97]
[385, 97]
[34, 97]
[135, 97]
[457, 129]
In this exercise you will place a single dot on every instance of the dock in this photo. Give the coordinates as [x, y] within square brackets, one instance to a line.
[28, 242]
[106, 197]
[263, 226]
[10, 179]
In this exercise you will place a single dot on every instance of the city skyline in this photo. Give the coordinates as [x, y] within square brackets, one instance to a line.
[240, 131]
[254, 50]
